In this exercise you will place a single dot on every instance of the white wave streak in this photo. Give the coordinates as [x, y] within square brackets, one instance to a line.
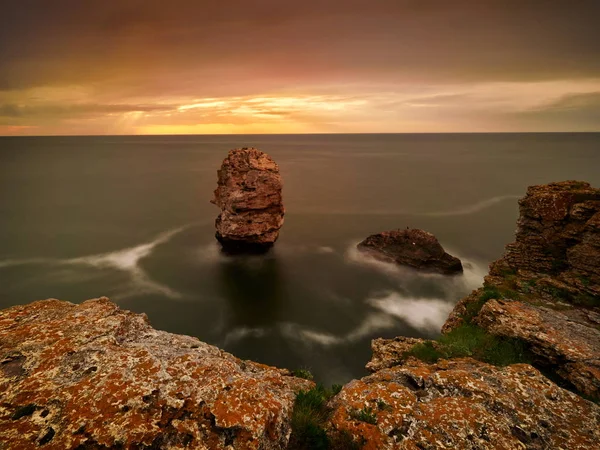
[460, 211]
[128, 260]
[373, 323]
[470, 209]
[238, 334]
[471, 278]
[424, 314]
[27, 261]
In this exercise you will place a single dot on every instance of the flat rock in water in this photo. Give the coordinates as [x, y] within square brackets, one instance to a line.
[411, 247]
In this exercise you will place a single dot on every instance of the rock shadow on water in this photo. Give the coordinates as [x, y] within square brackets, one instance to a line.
[254, 288]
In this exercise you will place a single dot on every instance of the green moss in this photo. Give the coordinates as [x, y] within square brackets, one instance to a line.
[309, 418]
[557, 293]
[383, 406]
[309, 415]
[302, 373]
[489, 292]
[425, 352]
[364, 415]
[586, 300]
[469, 340]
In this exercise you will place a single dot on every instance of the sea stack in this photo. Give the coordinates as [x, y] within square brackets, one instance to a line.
[411, 247]
[249, 195]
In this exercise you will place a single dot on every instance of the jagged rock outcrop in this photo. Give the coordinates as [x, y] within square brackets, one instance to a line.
[249, 195]
[545, 290]
[411, 247]
[93, 376]
[460, 404]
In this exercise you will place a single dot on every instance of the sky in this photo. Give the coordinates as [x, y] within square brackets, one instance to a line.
[86, 67]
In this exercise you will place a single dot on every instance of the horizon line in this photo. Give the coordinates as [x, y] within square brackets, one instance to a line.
[301, 134]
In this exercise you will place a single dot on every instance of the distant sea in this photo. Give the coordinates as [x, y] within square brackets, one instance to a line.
[129, 217]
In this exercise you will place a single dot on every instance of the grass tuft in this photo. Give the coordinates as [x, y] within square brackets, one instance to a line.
[302, 373]
[364, 415]
[469, 340]
[308, 422]
[426, 352]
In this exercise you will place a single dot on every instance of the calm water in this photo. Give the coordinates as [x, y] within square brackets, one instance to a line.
[130, 218]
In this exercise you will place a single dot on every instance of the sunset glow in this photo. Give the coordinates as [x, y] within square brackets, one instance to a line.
[138, 68]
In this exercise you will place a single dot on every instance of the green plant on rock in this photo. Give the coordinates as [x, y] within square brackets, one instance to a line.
[303, 373]
[309, 418]
[426, 352]
[469, 340]
[365, 414]
[383, 406]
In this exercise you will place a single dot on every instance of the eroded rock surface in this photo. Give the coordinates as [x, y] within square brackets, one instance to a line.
[463, 403]
[95, 376]
[545, 290]
[249, 195]
[570, 345]
[413, 248]
[387, 353]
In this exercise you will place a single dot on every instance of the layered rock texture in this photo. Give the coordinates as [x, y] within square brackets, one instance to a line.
[92, 376]
[413, 248]
[249, 195]
[545, 290]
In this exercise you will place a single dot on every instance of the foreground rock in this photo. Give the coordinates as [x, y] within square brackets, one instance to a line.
[249, 195]
[545, 290]
[460, 404]
[411, 247]
[95, 376]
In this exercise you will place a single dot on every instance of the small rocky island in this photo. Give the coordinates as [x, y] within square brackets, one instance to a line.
[249, 195]
[517, 367]
[413, 248]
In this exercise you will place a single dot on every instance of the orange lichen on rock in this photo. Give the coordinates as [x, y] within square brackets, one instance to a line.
[97, 376]
[463, 403]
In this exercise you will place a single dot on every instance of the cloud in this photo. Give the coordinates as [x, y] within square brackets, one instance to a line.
[581, 111]
[242, 48]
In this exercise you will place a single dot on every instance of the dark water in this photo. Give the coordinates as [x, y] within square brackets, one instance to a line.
[130, 218]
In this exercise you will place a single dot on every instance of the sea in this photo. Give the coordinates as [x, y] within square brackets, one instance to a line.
[129, 217]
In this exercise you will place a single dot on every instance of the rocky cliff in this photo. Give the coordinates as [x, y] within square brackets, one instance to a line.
[545, 290]
[249, 195]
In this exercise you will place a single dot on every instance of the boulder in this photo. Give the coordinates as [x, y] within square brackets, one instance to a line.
[249, 195]
[413, 248]
[95, 376]
[463, 403]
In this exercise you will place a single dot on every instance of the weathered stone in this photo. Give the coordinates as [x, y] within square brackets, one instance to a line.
[464, 403]
[559, 340]
[558, 234]
[552, 275]
[249, 195]
[95, 376]
[390, 352]
[411, 247]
